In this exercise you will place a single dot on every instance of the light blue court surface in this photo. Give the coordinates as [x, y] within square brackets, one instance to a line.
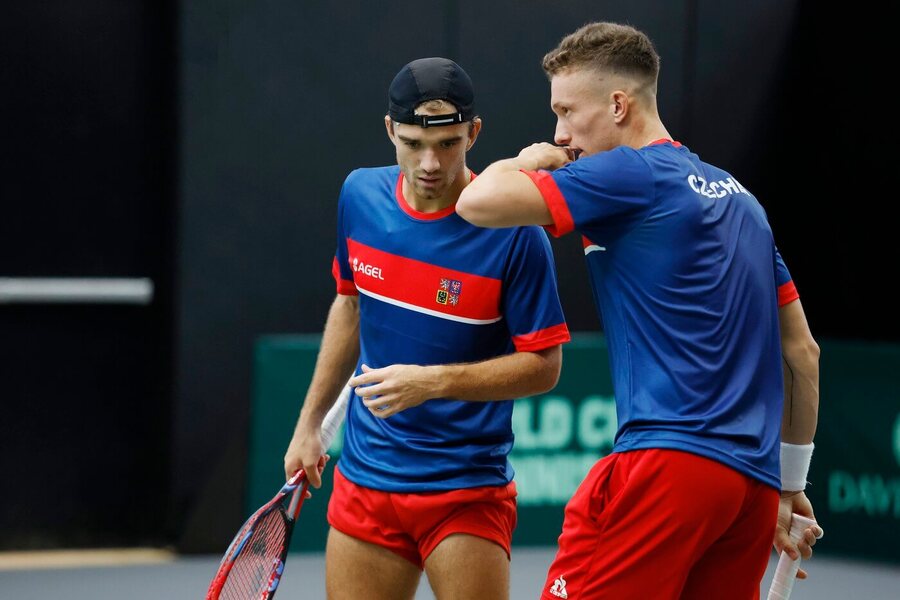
[187, 577]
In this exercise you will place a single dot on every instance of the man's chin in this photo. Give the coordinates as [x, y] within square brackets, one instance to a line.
[429, 193]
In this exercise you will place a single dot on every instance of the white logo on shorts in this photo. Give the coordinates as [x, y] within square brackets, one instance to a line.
[559, 588]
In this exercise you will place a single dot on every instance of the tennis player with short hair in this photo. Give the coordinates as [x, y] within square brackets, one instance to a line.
[442, 323]
[692, 292]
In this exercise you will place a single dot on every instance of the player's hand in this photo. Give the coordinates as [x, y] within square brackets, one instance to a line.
[392, 389]
[308, 494]
[545, 156]
[306, 452]
[795, 503]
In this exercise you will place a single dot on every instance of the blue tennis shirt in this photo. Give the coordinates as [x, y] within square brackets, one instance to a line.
[434, 289]
[688, 281]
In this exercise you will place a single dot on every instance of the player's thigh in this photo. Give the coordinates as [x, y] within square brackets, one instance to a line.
[466, 567]
[355, 569]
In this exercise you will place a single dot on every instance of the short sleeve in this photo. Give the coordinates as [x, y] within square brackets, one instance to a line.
[787, 291]
[603, 196]
[530, 301]
[340, 266]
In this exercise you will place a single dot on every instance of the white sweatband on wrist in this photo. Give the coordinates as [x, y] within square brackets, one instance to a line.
[795, 459]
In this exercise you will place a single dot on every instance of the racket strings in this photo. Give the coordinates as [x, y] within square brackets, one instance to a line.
[261, 554]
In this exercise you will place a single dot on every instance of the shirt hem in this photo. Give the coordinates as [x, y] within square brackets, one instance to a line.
[422, 487]
[542, 339]
[690, 445]
[555, 201]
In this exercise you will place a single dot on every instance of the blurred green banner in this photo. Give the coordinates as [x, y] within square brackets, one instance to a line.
[855, 473]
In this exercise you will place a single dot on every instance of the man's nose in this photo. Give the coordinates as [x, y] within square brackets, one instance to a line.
[429, 161]
[561, 136]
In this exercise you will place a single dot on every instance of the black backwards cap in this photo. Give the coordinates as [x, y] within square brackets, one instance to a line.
[431, 79]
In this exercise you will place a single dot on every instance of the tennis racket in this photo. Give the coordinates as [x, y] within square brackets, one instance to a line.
[254, 562]
[786, 571]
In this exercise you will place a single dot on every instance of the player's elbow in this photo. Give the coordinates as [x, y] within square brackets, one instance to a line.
[465, 208]
[801, 353]
[547, 380]
[546, 375]
[474, 206]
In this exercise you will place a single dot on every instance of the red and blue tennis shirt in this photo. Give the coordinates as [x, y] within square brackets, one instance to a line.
[434, 289]
[687, 281]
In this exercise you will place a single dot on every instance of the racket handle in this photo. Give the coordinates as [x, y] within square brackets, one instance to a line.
[330, 426]
[297, 498]
[786, 571]
[335, 417]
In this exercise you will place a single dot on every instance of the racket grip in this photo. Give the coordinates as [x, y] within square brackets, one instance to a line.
[786, 571]
[335, 417]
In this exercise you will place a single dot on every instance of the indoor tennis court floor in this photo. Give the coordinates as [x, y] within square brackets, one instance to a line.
[157, 576]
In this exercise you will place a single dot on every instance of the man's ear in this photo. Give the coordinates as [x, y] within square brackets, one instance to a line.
[474, 130]
[389, 127]
[620, 104]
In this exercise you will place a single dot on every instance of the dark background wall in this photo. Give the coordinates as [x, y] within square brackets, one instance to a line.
[87, 131]
[203, 143]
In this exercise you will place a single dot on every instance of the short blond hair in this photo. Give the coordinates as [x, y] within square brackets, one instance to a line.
[608, 47]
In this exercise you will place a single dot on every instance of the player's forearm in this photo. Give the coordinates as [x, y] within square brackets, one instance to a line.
[508, 165]
[511, 376]
[801, 376]
[801, 396]
[336, 361]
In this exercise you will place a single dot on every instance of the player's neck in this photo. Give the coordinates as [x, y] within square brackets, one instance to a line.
[430, 205]
[647, 131]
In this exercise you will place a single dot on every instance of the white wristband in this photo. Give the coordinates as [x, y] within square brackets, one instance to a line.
[795, 459]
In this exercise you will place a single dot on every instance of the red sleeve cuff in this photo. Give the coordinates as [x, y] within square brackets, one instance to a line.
[542, 338]
[556, 203]
[344, 287]
[787, 293]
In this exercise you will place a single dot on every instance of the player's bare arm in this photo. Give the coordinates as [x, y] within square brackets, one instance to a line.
[801, 376]
[395, 388]
[801, 408]
[336, 361]
[503, 196]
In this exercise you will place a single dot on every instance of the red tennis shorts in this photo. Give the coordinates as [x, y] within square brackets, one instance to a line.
[412, 525]
[664, 524]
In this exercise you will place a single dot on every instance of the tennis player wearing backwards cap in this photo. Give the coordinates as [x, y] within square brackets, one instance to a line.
[692, 292]
[442, 323]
